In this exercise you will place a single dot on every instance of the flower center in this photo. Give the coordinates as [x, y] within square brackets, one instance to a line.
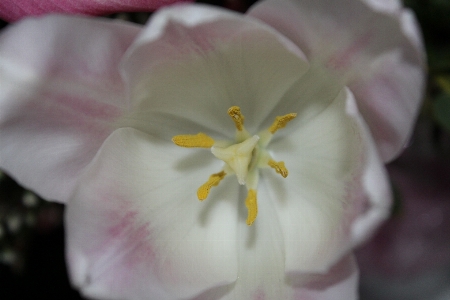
[243, 157]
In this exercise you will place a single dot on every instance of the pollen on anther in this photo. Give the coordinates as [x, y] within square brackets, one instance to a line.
[252, 206]
[279, 167]
[214, 180]
[281, 121]
[199, 140]
[235, 113]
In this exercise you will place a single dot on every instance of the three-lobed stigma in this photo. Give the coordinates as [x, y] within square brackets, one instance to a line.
[244, 158]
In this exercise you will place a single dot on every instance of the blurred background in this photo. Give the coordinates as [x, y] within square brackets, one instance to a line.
[408, 259]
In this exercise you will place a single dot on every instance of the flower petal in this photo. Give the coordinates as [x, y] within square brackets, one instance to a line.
[261, 273]
[339, 283]
[13, 10]
[329, 177]
[322, 159]
[364, 41]
[135, 227]
[206, 60]
[60, 92]
[260, 253]
[371, 195]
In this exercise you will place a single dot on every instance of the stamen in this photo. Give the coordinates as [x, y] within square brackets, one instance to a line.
[214, 180]
[279, 167]
[252, 206]
[244, 157]
[235, 113]
[199, 140]
[281, 121]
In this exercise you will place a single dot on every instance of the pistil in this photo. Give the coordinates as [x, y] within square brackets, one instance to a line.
[237, 156]
[244, 157]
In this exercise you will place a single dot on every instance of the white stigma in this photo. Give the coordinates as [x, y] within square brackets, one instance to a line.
[238, 156]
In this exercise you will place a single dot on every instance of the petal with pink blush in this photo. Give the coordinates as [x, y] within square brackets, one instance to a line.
[339, 283]
[387, 6]
[136, 228]
[13, 10]
[370, 197]
[312, 200]
[88, 109]
[349, 37]
[60, 94]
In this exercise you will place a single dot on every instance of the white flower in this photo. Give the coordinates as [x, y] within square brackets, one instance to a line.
[89, 108]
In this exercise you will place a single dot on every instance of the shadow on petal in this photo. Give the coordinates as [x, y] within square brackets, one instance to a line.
[194, 161]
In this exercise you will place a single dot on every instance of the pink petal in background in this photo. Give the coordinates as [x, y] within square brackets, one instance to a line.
[13, 10]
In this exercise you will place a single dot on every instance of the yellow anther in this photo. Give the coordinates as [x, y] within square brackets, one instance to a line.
[279, 167]
[235, 113]
[281, 121]
[252, 206]
[199, 140]
[214, 180]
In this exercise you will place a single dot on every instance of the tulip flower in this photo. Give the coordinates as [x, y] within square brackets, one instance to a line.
[13, 10]
[278, 121]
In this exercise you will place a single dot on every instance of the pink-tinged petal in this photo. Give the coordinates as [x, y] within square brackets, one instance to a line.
[364, 41]
[205, 60]
[370, 195]
[310, 200]
[339, 283]
[13, 10]
[323, 158]
[387, 6]
[136, 228]
[60, 92]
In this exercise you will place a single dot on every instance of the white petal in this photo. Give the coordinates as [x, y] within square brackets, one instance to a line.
[260, 250]
[192, 63]
[135, 227]
[315, 202]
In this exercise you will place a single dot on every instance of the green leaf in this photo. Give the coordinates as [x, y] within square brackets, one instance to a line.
[441, 110]
[397, 205]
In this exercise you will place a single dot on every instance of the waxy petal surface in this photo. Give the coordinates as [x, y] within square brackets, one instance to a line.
[13, 10]
[205, 60]
[375, 45]
[60, 92]
[135, 227]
